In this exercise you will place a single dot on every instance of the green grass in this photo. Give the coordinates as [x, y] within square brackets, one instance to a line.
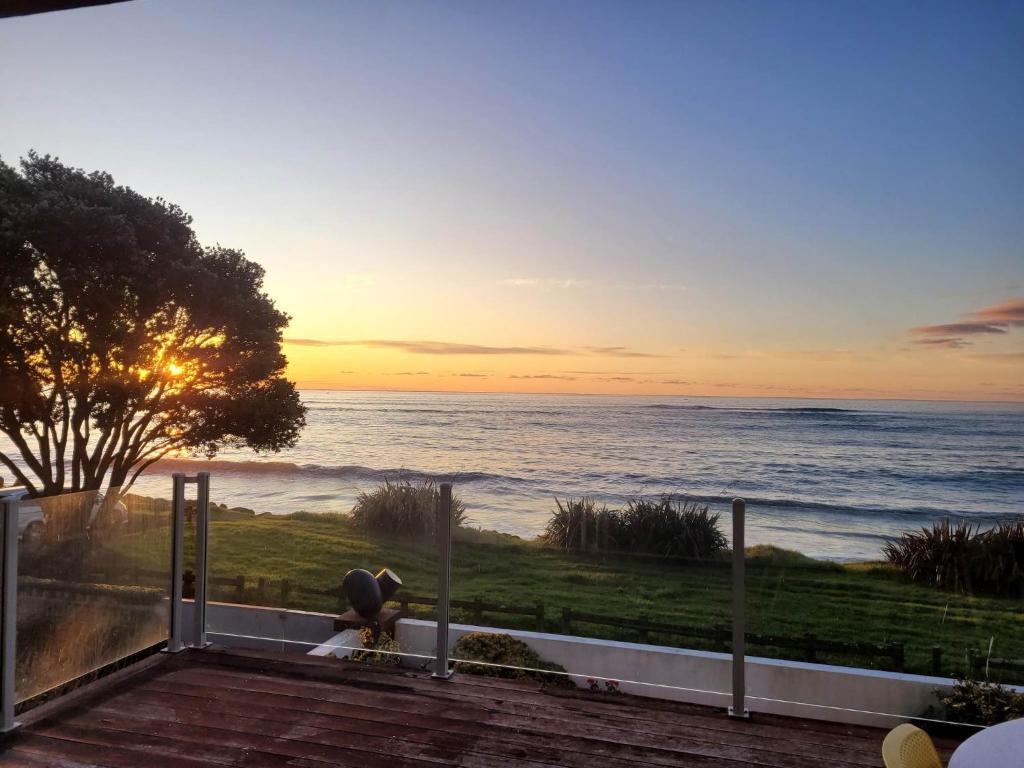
[787, 593]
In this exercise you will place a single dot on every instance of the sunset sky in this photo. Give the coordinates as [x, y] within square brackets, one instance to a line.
[792, 199]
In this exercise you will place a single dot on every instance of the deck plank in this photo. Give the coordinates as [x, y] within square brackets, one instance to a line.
[262, 710]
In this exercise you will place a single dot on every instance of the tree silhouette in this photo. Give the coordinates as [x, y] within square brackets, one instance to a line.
[122, 339]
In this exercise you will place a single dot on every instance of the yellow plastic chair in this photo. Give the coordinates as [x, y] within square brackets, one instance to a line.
[907, 746]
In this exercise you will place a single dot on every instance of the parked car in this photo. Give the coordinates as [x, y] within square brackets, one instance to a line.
[32, 519]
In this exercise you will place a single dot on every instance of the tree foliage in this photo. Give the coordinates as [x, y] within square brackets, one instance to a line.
[122, 339]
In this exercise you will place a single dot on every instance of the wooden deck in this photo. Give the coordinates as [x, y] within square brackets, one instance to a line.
[258, 710]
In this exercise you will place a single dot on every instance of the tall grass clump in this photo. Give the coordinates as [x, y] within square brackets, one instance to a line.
[573, 519]
[667, 526]
[403, 508]
[962, 557]
[671, 527]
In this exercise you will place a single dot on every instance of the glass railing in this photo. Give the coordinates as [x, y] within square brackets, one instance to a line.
[625, 595]
[874, 616]
[277, 578]
[93, 584]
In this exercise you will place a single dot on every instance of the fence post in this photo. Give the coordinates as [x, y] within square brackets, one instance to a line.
[174, 642]
[540, 617]
[936, 659]
[444, 579]
[898, 656]
[202, 571]
[566, 621]
[812, 646]
[8, 614]
[739, 689]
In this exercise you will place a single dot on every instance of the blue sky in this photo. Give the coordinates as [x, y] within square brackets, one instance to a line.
[761, 194]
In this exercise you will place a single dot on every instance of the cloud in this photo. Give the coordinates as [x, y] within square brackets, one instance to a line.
[945, 343]
[543, 282]
[993, 320]
[676, 381]
[544, 376]
[1010, 312]
[473, 375]
[999, 357]
[949, 329]
[407, 373]
[457, 348]
[619, 352]
[430, 347]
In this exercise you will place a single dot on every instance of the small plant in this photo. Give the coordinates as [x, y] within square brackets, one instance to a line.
[981, 703]
[504, 656]
[403, 508]
[382, 649]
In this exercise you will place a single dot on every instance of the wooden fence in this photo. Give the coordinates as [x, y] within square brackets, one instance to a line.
[808, 645]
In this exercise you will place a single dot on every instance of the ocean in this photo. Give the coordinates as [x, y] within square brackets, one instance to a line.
[830, 478]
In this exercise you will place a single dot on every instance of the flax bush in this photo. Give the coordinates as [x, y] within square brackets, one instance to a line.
[668, 526]
[403, 508]
[962, 557]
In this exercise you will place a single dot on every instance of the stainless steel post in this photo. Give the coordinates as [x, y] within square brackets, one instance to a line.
[8, 614]
[174, 641]
[739, 628]
[444, 578]
[202, 538]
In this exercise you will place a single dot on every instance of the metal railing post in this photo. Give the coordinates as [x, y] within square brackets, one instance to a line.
[8, 614]
[202, 538]
[174, 641]
[444, 552]
[739, 628]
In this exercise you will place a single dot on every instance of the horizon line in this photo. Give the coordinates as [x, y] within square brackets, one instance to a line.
[620, 394]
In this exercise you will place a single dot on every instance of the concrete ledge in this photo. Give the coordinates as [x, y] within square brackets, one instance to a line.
[820, 691]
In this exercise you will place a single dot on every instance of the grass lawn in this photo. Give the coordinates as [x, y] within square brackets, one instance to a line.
[787, 594]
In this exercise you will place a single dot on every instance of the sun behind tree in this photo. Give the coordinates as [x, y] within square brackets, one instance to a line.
[122, 339]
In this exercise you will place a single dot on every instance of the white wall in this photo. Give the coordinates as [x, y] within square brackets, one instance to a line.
[820, 691]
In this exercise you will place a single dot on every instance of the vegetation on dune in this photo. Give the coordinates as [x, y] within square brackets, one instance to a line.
[668, 527]
[963, 558]
[787, 593]
[403, 508]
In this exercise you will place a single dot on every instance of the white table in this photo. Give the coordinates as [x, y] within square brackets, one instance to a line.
[1001, 746]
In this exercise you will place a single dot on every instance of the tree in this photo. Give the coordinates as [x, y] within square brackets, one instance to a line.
[122, 339]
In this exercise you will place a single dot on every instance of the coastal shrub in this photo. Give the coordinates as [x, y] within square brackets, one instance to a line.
[403, 508]
[962, 557]
[504, 656]
[668, 526]
[981, 703]
[567, 523]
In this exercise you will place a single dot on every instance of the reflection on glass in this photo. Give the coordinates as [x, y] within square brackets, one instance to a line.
[93, 584]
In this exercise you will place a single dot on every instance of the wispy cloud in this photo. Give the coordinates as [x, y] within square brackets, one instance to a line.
[988, 321]
[546, 376]
[430, 347]
[945, 343]
[1000, 357]
[543, 282]
[473, 375]
[407, 373]
[619, 352]
[1010, 312]
[948, 329]
[457, 348]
